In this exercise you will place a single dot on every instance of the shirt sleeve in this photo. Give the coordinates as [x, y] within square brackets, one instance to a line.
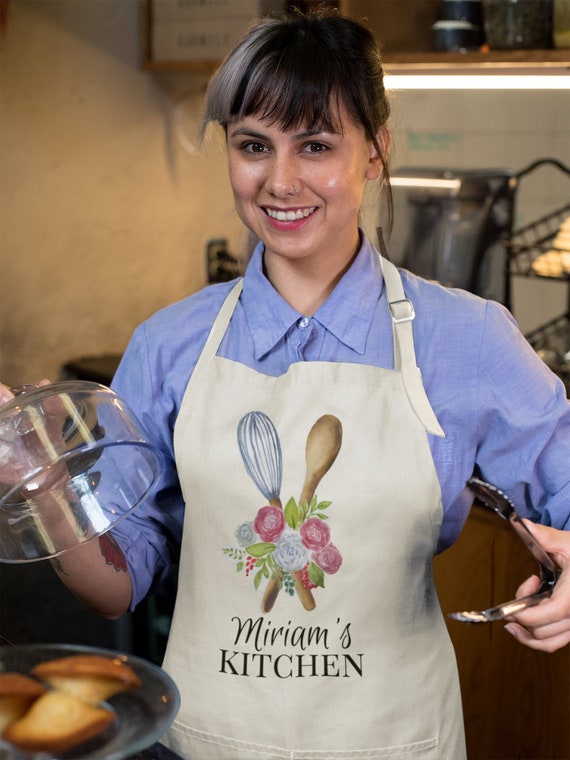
[523, 423]
[150, 536]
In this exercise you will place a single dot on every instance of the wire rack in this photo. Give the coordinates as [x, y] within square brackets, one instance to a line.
[533, 250]
[542, 250]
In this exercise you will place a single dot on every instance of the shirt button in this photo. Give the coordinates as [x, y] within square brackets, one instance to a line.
[303, 323]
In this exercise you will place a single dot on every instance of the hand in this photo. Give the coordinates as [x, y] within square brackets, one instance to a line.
[5, 394]
[22, 442]
[546, 627]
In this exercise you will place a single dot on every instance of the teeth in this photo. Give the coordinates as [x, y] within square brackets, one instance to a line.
[290, 216]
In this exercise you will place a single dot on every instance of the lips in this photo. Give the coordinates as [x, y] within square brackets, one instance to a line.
[290, 216]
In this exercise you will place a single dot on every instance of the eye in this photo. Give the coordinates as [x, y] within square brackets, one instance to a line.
[315, 148]
[253, 148]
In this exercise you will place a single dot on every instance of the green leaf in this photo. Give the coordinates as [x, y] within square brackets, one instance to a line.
[324, 504]
[291, 513]
[257, 579]
[261, 549]
[316, 575]
[239, 566]
[323, 517]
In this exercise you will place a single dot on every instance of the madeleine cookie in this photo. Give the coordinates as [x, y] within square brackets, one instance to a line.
[17, 692]
[57, 721]
[92, 678]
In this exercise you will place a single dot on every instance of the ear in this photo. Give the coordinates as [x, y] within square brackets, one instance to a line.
[375, 162]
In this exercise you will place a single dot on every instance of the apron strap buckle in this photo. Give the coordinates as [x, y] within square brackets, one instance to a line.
[402, 310]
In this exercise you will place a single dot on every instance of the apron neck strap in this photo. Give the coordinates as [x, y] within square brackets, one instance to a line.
[403, 314]
[217, 332]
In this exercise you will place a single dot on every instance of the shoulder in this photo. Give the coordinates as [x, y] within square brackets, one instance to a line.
[462, 340]
[433, 299]
[193, 313]
[457, 312]
[165, 347]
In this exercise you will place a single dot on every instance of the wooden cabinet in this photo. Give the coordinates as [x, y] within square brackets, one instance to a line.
[404, 32]
[516, 700]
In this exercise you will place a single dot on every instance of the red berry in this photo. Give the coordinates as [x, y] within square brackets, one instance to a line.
[303, 576]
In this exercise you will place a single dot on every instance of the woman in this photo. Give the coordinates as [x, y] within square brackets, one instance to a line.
[312, 471]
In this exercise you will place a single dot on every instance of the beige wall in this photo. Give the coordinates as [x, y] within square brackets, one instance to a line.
[104, 208]
[104, 213]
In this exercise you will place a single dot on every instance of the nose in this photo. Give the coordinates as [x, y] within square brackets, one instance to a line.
[283, 180]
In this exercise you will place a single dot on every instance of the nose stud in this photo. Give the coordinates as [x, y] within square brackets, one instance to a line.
[295, 190]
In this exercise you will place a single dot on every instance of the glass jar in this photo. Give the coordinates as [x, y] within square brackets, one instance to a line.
[561, 29]
[518, 24]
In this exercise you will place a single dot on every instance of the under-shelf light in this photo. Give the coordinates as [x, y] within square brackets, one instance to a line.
[476, 82]
[431, 182]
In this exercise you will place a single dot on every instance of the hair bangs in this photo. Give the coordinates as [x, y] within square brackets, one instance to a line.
[291, 88]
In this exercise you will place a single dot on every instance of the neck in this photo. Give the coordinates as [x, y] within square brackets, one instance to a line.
[306, 282]
[304, 285]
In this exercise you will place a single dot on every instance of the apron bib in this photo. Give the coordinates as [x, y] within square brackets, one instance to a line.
[307, 624]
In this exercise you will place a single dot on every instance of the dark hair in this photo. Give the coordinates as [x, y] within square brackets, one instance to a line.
[298, 70]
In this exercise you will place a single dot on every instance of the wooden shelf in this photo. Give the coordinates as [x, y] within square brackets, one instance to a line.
[546, 61]
[400, 55]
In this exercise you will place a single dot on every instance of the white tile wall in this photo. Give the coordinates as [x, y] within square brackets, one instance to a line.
[494, 129]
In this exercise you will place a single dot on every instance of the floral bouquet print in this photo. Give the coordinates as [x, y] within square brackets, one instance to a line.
[290, 548]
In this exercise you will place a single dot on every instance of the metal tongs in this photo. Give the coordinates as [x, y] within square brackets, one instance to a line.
[500, 503]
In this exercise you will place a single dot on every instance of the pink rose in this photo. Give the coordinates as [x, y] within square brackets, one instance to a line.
[328, 559]
[269, 523]
[315, 533]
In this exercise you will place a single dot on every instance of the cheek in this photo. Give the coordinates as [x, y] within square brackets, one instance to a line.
[347, 184]
[244, 180]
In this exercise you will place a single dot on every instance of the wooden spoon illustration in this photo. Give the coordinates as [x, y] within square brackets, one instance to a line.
[323, 444]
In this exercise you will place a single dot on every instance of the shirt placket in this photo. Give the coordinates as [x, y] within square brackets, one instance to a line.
[303, 336]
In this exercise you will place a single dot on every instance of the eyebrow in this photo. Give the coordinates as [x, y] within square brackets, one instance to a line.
[247, 131]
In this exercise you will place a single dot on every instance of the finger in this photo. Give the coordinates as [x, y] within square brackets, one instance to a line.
[5, 394]
[555, 542]
[549, 644]
[529, 586]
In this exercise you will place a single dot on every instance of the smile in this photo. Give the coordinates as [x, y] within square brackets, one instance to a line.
[290, 216]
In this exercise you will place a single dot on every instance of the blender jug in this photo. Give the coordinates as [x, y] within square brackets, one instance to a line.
[449, 226]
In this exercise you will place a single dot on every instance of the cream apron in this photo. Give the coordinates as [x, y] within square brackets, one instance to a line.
[307, 624]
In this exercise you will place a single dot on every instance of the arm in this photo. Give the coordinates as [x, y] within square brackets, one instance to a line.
[96, 573]
[525, 449]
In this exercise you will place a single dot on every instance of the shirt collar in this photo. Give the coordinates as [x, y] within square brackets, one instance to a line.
[347, 313]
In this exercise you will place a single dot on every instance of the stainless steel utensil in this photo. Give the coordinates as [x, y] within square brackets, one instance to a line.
[260, 449]
[490, 496]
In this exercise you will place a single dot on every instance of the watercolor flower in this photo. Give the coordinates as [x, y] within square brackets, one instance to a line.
[245, 534]
[315, 534]
[328, 559]
[269, 523]
[290, 554]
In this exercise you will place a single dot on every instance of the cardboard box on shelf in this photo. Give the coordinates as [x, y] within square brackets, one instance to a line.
[196, 41]
[210, 10]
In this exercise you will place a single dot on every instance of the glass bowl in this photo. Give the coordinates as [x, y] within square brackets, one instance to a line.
[73, 463]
